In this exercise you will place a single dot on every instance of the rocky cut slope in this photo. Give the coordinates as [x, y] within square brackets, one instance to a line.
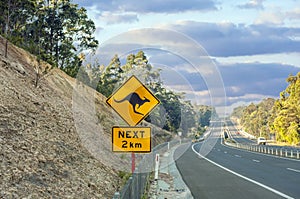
[42, 155]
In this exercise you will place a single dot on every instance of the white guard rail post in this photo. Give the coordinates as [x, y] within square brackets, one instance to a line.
[156, 167]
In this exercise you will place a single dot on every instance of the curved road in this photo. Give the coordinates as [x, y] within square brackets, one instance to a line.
[233, 173]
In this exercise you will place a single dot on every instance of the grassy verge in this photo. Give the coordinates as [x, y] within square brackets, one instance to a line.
[124, 176]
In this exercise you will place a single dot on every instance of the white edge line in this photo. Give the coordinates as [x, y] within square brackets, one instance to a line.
[241, 176]
[293, 170]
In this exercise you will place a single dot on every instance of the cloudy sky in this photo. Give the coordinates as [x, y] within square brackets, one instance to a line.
[254, 44]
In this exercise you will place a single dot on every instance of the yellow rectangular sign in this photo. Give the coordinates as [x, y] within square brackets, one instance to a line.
[131, 139]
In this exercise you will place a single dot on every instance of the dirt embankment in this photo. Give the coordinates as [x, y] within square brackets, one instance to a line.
[54, 138]
[41, 153]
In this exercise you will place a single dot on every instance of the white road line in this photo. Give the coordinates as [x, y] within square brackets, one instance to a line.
[293, 170]
[244, 177]
[238, 156]
[255, 160]
[225, 151]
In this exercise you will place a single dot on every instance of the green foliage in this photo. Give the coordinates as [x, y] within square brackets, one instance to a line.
[286, 113]
[124, 176]
[204, 115]
[57, 31]
[14, 16]
[188, 118]
[281, 116]
[110, 78]
[238, 112]
[170, 108]
[173, 114]
[255, 118]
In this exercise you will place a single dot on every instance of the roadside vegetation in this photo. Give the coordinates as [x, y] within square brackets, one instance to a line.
[60, 33]
[274, 117]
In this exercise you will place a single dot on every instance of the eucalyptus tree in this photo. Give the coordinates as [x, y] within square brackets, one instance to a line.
[110, 78]
[15, 14]
[58, 31]
[286, 112]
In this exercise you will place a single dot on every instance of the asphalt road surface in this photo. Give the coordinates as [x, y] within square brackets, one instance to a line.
[227, 172]
[239, 138]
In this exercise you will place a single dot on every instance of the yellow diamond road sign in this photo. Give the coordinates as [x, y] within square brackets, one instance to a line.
[132, 101]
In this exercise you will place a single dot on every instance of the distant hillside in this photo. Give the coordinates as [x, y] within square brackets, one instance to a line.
[254, 118]
[48, 147]
[279, 118]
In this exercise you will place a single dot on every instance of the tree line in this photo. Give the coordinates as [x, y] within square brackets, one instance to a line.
[60, 33]
[56, 31]
[175, 114]
[279, 117]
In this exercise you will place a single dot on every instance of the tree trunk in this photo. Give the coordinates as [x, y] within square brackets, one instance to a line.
[6, 29]
[6, 48]
[37, 75]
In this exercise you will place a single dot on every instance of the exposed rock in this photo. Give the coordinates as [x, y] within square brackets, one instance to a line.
[18, 67]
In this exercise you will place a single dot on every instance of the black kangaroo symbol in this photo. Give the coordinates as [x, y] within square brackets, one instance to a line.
[134, 99]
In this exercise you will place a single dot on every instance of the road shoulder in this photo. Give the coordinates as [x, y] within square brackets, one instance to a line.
[170, 183]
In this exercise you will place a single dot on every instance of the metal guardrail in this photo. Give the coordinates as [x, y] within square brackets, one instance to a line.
[271, 150]
[136, 185]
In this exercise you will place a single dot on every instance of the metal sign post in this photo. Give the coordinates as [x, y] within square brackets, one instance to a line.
[132, 162]
[133, 102]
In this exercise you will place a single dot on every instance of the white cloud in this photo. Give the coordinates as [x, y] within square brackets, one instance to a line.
[242, 80]
[277, 17]
[228, 39]
[293, 14]
[247, 98]
[255, 81]
[279, 58]
[252, 4]
[235, 89]
[153, 6]
[270, 18]
[111, 18]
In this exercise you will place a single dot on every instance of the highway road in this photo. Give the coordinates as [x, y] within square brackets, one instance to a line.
[240, 139]
[227, 172]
